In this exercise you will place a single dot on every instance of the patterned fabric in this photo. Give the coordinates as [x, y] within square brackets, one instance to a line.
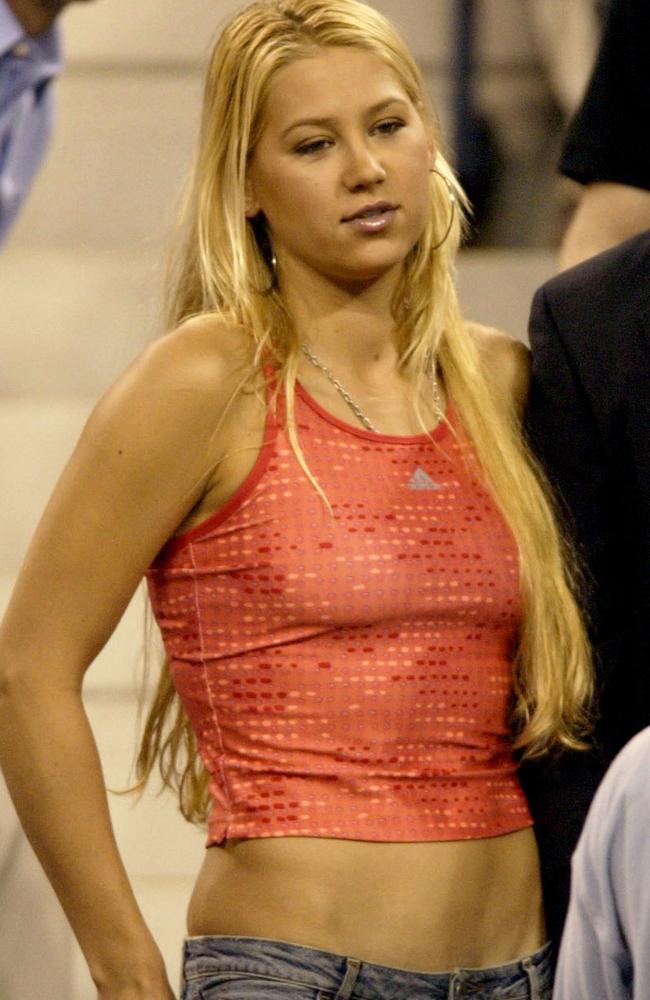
[349, 674]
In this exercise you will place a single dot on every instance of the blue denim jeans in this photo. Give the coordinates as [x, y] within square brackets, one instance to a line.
[242, 968]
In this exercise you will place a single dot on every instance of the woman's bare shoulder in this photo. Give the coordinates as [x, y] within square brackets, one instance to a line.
[192, 371]
[206, 351]
[162, 421]
[506, 360]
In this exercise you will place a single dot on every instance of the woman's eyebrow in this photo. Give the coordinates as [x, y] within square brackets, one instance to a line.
[373, 110]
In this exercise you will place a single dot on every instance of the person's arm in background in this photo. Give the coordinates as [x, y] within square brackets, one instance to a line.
[607, 213]
[605, 149]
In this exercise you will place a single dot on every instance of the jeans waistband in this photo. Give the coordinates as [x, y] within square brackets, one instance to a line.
[323, 970]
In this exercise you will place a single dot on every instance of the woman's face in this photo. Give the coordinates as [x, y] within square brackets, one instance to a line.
[341, 170]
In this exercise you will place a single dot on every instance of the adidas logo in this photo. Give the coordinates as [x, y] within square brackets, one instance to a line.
[421, 480]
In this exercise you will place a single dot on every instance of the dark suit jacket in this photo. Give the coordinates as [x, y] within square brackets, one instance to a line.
[589, 422]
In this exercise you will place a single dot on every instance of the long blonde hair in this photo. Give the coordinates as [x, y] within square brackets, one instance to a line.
[221, 267]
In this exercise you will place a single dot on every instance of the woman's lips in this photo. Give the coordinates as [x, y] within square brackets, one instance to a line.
[372, 218]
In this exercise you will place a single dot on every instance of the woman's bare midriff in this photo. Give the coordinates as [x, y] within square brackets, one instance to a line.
[418, 906]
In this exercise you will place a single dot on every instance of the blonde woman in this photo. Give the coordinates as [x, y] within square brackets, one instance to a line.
[357, 577]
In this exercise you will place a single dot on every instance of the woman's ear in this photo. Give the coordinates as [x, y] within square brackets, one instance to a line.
[433, 155]
[251, 204]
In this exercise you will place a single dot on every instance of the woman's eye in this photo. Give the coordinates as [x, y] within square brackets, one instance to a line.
[389, 127]
[314, 146]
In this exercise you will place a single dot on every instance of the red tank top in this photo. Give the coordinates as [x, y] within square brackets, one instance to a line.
[349, 674]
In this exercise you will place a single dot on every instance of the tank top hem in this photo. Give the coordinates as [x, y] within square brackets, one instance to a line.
[219, 833]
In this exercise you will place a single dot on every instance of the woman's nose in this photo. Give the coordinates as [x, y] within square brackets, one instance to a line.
[363, 167]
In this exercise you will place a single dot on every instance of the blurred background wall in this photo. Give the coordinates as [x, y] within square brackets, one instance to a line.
[80, 282]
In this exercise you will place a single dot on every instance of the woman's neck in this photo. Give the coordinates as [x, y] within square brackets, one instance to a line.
[354, 342]
[354, 329]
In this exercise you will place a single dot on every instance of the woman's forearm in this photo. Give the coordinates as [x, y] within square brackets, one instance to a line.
[53, 772]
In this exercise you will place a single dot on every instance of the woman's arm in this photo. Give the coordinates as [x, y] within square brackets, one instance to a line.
[143, 462]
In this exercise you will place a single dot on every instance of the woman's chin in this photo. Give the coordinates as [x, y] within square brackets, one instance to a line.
[365, 275]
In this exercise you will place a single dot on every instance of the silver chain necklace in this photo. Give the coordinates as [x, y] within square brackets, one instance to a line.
[356, 409]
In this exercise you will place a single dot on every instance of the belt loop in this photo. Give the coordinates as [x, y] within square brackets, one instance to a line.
[533, 978]
[353, 967]
[456, 987]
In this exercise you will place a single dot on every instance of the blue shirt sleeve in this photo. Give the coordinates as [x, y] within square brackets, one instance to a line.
[604, 953]
[27, 67]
